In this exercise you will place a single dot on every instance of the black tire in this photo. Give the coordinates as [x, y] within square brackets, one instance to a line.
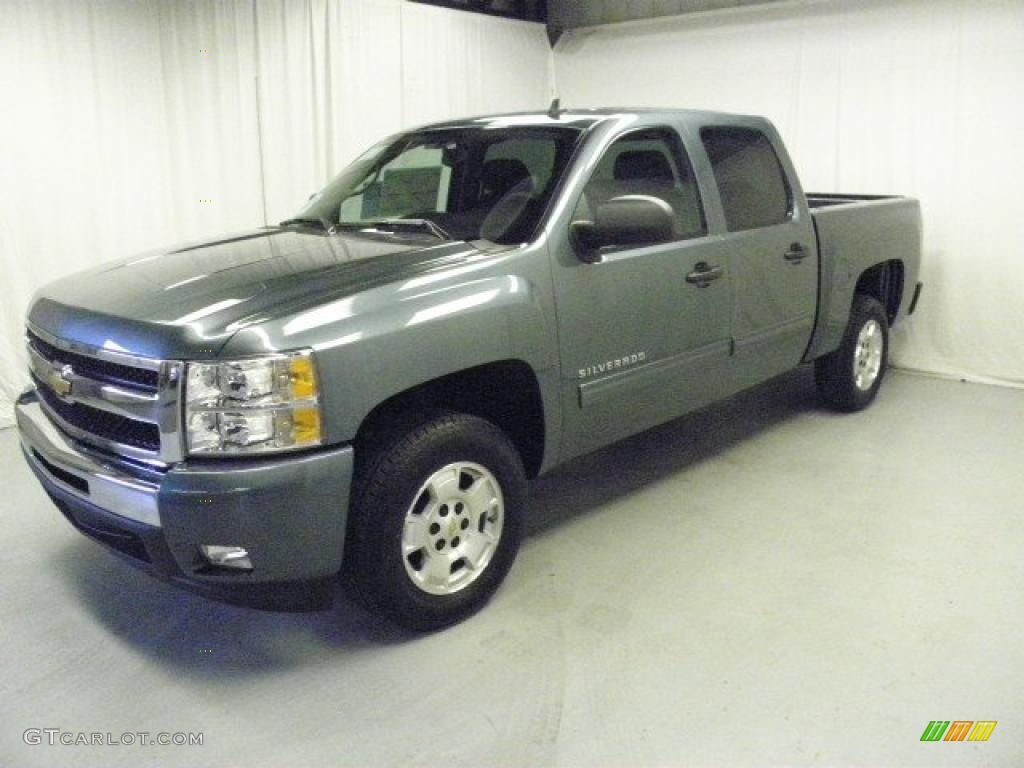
[836, 374]
[391, 482]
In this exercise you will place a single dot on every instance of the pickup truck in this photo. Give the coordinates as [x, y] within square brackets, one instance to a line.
[365, 389]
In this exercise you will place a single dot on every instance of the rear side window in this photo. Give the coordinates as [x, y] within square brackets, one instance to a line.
[751, 182]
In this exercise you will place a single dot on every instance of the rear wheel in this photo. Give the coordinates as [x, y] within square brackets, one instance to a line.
[849, 378]
[436, 521]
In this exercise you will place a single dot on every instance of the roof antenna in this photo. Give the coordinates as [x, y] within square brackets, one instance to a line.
[554, 109]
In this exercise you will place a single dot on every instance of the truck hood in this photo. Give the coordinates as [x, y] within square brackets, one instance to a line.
[189, 300]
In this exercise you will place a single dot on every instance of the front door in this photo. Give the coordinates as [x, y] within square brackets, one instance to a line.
[644, 331]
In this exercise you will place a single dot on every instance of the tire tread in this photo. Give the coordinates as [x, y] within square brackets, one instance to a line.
[389, 460]
[833, 373]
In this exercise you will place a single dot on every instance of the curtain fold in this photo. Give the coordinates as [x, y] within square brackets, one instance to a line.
[132, 125]
[330, 86]
[466, 64]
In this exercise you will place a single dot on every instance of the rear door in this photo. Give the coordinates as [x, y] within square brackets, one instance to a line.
[643, 336]
[772, 250]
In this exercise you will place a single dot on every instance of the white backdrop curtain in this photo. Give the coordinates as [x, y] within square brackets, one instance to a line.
[133, 125]
[915, 97]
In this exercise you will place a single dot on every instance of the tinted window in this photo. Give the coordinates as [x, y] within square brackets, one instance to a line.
[538, 155]
[652, 163]
[750, 178]
[472, 183]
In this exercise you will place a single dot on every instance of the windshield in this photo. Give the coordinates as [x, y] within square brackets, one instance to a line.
[479, 183]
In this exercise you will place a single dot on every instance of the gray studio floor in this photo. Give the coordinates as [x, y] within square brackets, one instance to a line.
[762, 583]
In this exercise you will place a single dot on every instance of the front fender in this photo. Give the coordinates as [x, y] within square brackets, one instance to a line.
[382, 342]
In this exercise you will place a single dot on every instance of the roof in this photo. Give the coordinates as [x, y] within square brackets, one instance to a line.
[577, 117]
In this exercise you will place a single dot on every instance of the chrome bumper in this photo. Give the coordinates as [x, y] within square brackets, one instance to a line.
[80, 474]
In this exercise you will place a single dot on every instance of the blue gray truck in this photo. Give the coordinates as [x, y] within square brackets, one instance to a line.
[365, 389]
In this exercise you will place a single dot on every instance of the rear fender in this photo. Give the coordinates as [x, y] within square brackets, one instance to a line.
[853, 240]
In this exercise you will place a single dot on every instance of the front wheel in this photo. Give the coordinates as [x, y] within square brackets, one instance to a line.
[436, 521]
[849, 378]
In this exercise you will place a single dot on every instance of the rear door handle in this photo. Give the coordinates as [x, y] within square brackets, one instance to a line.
[703, 273]
[796, 253]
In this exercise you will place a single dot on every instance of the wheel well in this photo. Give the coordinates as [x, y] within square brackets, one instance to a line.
[885, 282]
[505, 393]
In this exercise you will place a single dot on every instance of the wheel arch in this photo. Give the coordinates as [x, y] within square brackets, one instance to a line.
[885, 282]
[505, 392]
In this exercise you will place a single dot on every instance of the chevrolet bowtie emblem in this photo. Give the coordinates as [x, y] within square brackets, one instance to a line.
[59, 380]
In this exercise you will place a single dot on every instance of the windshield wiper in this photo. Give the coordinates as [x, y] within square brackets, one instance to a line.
[321, 221]
[399, 225]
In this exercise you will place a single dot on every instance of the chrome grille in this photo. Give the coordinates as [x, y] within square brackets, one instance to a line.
[121, 403]
[96, 368]
[103, 424]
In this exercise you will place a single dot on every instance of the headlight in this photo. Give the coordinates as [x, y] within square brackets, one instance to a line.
[255, 405]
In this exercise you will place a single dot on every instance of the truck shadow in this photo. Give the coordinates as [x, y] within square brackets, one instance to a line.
[203, 638]
[599, 478]
[179, 627]
[206, 638]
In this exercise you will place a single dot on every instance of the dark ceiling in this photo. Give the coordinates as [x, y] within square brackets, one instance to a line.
[563, 15]
[529, 10]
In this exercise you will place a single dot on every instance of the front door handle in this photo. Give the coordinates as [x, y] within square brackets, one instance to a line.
[703, 273]
[796, 253]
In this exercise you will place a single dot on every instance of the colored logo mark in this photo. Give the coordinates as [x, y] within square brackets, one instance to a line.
[958, 730]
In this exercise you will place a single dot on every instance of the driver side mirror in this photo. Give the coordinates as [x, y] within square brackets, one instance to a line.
[625, 220]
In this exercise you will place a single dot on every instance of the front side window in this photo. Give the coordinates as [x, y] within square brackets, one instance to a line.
[649, 163]
[751, 182]
[467, 183]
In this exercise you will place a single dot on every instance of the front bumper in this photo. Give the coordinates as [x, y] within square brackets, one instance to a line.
[289, 513]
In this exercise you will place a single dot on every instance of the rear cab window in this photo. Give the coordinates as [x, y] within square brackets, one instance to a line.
[751, 182]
